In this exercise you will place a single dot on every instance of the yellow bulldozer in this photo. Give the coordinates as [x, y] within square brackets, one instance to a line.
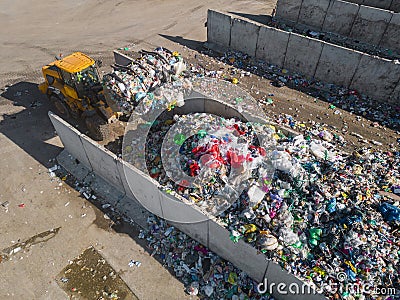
[74, 86]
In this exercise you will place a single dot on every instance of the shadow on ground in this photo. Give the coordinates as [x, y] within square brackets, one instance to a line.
[30, 128]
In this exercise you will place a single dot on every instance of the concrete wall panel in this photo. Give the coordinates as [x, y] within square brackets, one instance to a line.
[370, 25]
[209, 232]
[122, 59]
[395, 97]
[340, 17]
[244, 36]
[395, 6]
[272, 44]
[376, 77]
[303, 54]
[337, 64]
[70, 137]
[103, 161]
[356, 1]
[313, 13]
[391, 38]
[137, 184]
[364, 23]
[181, 212]
[288, 9]
[383, 4]
[241, 254]
[218, 28]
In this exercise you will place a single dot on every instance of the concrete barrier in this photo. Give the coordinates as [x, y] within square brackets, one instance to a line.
[102, 164]
[313, 13]
[208, 232]
[359, 22]
[328, 62]
[376, 76]
[221, 28]
[303, 54]
[71, 139]
[121, 59]
[391, 38]
[370, 24]
[244, 36]
[340, 17]
[337, 64]
[395, 97]
[246, 257]
[288, 9]
[272, 45]
[393, 5]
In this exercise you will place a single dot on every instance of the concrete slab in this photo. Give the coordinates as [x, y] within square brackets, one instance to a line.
[194, 103]
[244, 36]
[122, 166]
[103, 161]
[70, 137]
[218, 28]
[288, 9]
[313, 13]
[391, 38]
[370, 24]
[337, 64]
[241, 254]
[178, 211]
[284, 286]
[143, 188]
[272, 44]
[376, 77]
[340, 17]
[121, 59]
[303, 54]
[395, 97]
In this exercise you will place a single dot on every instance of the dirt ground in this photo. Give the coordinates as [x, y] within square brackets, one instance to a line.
[32, 33]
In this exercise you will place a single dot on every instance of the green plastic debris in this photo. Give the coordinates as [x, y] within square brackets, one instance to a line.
[179, 139]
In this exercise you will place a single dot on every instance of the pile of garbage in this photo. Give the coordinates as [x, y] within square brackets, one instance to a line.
[214, 165]
[204, 273]
[140, 81]
[343, 218]
[320, 212]
[316, 211]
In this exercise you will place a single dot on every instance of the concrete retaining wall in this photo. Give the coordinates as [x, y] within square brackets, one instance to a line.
[363, 23]
[303, 54]
[221, 24]
[208, 232]
[323, 61]
[244, 36]
[384, 4]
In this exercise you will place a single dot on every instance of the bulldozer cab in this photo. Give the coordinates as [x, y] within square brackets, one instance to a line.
[75, 76]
